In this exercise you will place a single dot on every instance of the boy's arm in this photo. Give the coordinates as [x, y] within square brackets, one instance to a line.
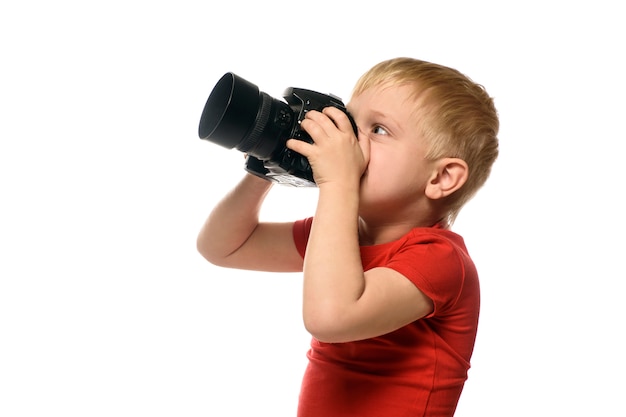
[233, 237]
[342, 302]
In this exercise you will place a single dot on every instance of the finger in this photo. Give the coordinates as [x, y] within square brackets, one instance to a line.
[320, 118]
[303, 148]
[318, 125]
[339, 117]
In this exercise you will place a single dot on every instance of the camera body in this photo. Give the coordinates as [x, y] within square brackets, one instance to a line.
[238, 115]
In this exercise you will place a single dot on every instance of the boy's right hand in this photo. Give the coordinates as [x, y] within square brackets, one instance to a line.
[336, 155]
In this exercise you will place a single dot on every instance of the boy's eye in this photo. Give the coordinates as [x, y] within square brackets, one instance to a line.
[379, 130]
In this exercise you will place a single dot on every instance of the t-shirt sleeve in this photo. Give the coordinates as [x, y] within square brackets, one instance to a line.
[436, 266]
[301, 230]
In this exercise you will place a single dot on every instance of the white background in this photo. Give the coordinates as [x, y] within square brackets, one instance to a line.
[106, 309]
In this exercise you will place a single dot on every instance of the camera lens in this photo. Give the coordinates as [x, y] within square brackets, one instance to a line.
[237, 115]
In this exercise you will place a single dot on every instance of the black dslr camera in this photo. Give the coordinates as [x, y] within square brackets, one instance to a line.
[238, 115]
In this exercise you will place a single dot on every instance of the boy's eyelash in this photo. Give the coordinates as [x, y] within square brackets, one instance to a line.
[375, 128]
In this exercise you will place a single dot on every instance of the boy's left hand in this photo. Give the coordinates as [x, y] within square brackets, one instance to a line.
[337, 154]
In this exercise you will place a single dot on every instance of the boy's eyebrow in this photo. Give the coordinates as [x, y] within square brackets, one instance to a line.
[379, 113]
[386, 116]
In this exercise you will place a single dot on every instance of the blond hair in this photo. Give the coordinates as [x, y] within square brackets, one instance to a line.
[457, 118]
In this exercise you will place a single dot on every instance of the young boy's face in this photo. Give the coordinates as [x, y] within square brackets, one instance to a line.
[394, 183]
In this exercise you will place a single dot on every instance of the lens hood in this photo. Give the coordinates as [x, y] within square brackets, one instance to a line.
[230, 111]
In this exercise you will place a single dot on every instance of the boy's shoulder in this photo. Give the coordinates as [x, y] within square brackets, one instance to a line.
[433, 241]
[418, 236]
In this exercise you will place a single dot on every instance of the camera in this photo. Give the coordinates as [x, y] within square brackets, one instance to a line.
[238, 115]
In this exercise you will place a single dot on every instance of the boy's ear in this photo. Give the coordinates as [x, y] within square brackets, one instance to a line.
[448, 176]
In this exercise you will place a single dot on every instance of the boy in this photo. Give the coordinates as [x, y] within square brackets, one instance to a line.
[391, 296]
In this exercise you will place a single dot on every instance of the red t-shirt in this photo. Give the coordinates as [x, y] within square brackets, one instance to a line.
[417, 370]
